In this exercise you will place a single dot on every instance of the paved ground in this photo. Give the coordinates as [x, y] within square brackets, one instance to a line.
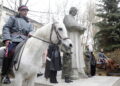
[93, 81]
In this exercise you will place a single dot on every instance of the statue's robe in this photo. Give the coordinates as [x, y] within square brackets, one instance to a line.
[75, 31]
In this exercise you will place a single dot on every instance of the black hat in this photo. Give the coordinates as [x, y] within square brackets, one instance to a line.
[23, 7]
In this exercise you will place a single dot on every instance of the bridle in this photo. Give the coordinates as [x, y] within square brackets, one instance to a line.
[59, 37]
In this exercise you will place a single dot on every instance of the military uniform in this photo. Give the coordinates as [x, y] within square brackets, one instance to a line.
[90, 63]
[87, 61]
[67, 66]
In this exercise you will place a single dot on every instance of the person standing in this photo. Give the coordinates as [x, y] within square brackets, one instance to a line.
[53, 63]
[67, 67]
[16, 30]
[87, 60]
[90, 62]
[102, 57]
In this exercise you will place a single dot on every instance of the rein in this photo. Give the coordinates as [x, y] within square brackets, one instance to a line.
[41, 39]
[50, 36]
[59, 37]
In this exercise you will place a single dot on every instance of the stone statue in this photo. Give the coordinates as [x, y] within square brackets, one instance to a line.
[71, 23]
[75, 31]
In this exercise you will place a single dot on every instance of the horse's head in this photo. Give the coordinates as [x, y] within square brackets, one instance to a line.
[54, 33]
[59, 36]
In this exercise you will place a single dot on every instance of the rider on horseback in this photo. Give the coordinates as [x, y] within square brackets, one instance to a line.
[15, 31]
[102, 58]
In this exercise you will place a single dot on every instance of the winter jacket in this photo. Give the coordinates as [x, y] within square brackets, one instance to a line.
[16, 29]
[54, 55]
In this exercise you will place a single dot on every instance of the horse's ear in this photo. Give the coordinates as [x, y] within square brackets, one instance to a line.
[54, 20]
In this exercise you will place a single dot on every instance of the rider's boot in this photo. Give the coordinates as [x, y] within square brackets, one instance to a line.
[11, 72]
[5, 79]
[5, 69]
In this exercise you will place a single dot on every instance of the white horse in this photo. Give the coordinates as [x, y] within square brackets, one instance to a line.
[30, 59]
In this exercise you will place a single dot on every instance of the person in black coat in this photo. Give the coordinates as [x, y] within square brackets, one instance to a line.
[92, 64]
[53, 63]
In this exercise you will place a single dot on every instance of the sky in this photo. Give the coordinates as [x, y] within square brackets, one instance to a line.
[39, 8]
[44, 4]
[56, 6]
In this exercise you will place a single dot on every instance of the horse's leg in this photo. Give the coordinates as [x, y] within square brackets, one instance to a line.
[18, 80]
[31, 81]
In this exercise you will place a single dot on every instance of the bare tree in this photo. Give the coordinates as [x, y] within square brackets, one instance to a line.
[61, 7]
[89, 19]
[26, 2]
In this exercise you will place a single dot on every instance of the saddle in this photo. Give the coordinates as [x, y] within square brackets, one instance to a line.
[18, 51]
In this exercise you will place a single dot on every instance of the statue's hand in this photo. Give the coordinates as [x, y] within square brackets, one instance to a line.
[78, 28]
[82, 29]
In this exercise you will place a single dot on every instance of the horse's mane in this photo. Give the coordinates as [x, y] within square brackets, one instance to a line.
[43, 31]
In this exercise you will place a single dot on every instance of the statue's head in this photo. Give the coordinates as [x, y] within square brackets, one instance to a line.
[73, 11]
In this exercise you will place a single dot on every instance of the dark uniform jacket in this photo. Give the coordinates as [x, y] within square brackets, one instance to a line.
[55, 60]
[54, 55]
